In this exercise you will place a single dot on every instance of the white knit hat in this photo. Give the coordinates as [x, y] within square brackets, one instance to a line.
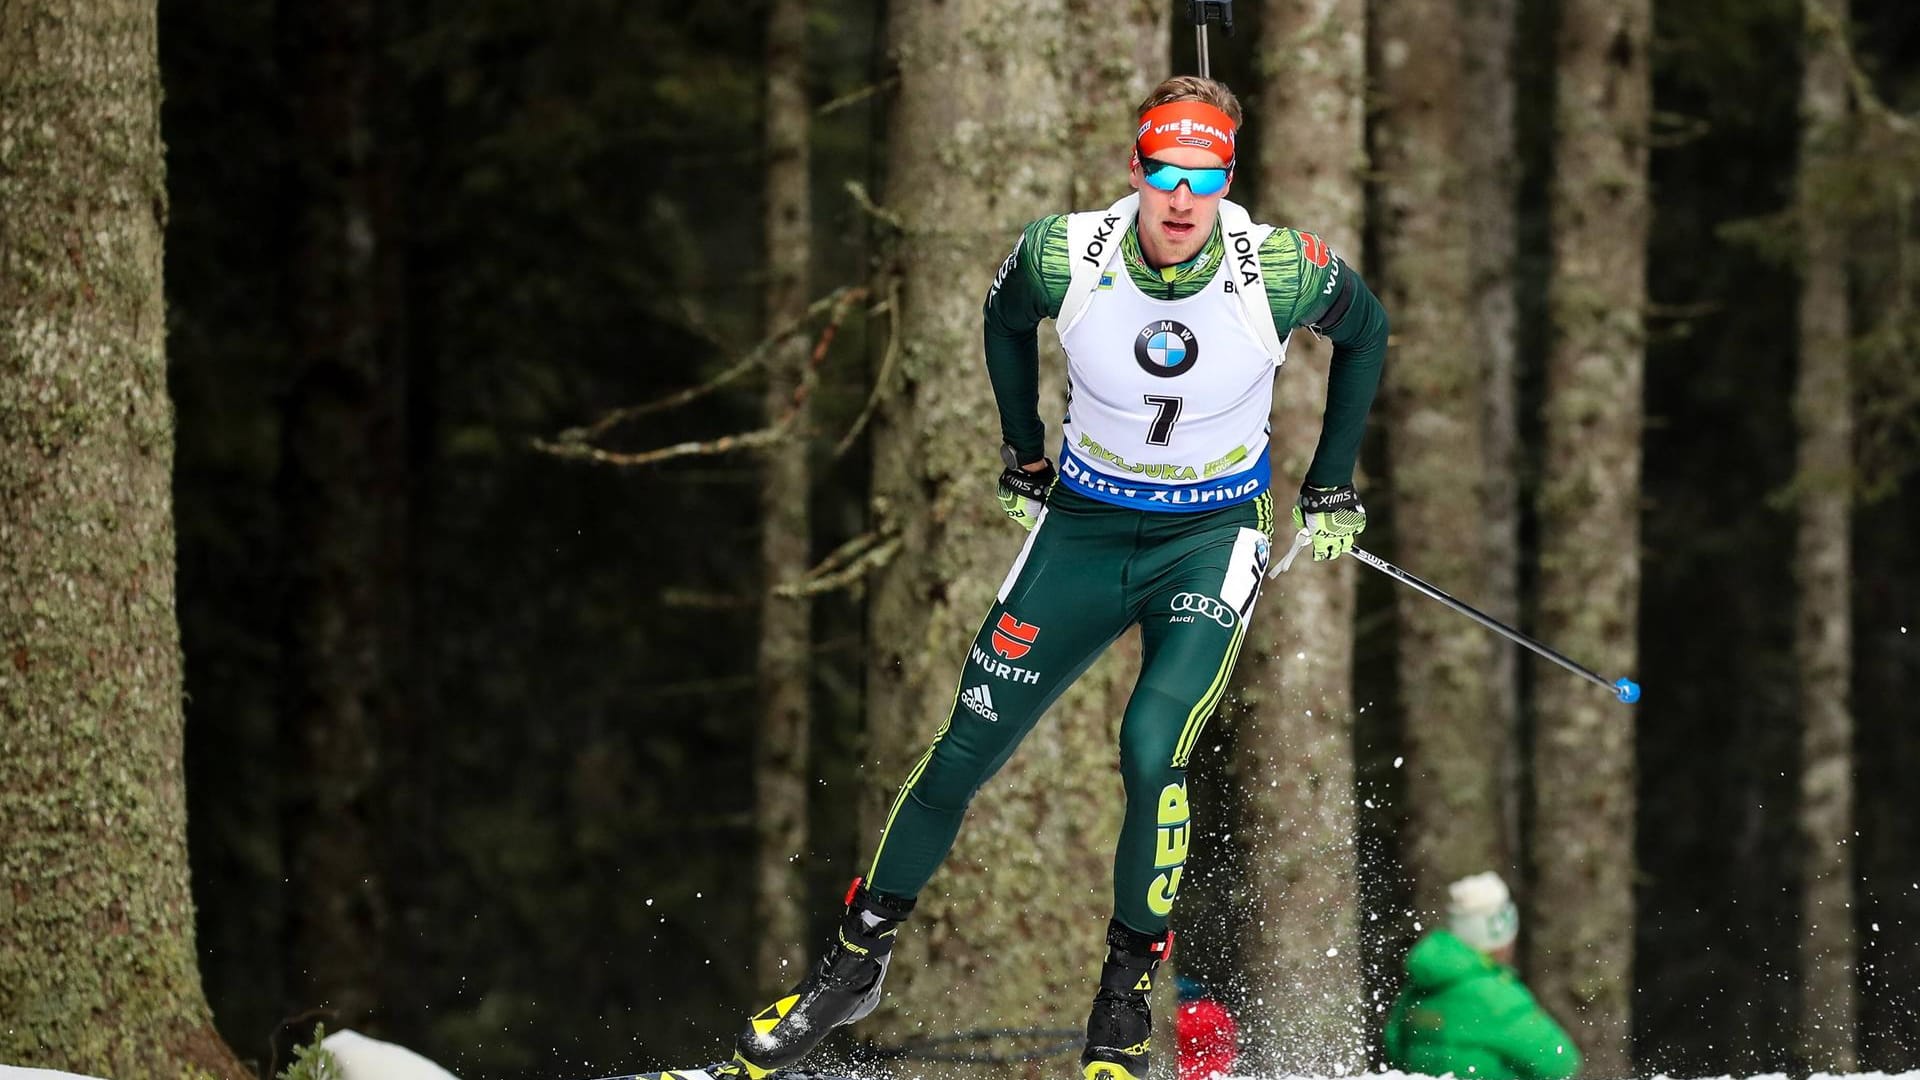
[1480, 912]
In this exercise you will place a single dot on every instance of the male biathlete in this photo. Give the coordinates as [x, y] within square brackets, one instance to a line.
[1174, 309]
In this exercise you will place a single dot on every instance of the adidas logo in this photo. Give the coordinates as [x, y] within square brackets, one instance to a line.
[980, 700]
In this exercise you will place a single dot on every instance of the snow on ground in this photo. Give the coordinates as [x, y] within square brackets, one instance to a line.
[360, 1058]
[375, 1056]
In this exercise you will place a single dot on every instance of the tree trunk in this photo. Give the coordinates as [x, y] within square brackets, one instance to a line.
[1122, 54]
[1580, 954]
[1490, 157]
[1435, 420]
[1823, 413]
[1009, 933]
[97, 961]
[333, 492]
[1125, 49]
[780, 751]
[1291, 709]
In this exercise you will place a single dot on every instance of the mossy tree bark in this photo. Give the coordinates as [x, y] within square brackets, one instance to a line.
[1823, 412]
[1121, 53]
[1291, 712]
[97, 962]
[1434, 397]
[780, 749]
[1009, 932]
[1580, 911]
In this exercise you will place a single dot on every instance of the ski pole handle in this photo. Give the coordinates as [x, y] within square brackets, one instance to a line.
[1300, 540]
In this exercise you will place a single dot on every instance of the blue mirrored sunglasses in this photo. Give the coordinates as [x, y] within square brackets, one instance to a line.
[1166, 176]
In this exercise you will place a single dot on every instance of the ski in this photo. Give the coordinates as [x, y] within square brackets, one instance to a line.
[670, 1074]
[715, 1073]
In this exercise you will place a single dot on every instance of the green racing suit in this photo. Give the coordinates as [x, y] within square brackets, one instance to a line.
[1091, 569]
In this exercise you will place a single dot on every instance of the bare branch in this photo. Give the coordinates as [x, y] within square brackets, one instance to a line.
[843, 304]
[852, 97]
[755, 357]
[873, 559]
[849, 562]
[574, 443]
[859, 192]
[750, 440]
[885, 376]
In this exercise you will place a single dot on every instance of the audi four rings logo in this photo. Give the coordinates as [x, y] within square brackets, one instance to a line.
[1201, 604]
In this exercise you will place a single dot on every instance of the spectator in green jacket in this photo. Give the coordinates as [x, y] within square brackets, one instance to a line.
[1463, 1010]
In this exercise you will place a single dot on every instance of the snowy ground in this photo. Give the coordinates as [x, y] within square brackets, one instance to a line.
[359, 1058]
[16, 1073]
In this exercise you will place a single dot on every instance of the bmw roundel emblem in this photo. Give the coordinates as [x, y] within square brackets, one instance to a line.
[1165, 348]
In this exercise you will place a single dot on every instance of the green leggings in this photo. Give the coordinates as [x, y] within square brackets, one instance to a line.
[1090, 570]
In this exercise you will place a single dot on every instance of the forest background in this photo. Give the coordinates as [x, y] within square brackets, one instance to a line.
[513, 741]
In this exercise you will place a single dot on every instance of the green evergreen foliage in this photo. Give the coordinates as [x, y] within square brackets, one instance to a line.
[312, 1061]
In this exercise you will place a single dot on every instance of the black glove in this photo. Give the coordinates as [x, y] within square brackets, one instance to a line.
[1024, 492]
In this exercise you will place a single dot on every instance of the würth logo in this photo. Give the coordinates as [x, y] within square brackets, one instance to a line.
[980, 700]
[1012, 638]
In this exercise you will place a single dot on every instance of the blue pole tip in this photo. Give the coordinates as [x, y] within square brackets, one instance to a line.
[1628, 690]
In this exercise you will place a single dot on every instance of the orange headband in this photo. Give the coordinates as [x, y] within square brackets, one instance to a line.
[1186, 123]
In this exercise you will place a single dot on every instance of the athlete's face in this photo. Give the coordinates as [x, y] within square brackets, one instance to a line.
[1174, 225]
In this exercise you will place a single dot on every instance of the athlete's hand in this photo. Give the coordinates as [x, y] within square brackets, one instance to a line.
[1023, 491]
[1332, 517]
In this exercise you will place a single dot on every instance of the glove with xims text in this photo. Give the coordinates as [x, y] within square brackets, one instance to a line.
[1023, 492]
[1332, 518]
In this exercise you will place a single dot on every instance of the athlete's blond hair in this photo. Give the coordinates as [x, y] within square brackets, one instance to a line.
[1191, 88]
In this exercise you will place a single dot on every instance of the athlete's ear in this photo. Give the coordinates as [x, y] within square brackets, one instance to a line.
[1134, 176]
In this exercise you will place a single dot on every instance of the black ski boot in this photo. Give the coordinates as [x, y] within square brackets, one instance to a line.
[1118, 1027]
[843, 986]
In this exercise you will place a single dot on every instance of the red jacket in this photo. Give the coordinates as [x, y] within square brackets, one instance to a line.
[1208, 1039]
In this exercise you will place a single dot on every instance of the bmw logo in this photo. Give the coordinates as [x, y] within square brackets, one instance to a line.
[1165, 348]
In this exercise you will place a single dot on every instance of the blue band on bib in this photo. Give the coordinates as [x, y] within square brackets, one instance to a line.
[1213, 494]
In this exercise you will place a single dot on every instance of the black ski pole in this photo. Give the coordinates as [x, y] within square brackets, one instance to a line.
[1203, 12]
[1626, 690]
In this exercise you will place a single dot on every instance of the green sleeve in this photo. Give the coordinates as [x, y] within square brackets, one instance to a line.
[1393, 1038]
[1308, 285]
[1534, 1046]
[1030, 286]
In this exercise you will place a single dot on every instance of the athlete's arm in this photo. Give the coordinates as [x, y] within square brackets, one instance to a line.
[1029, 287]
[1308, 285]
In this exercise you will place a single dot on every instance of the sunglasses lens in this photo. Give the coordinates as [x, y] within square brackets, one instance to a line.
[1206, 181]
[1166, 177]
